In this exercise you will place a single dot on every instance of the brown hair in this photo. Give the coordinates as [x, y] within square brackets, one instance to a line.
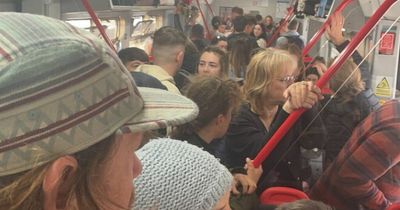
[239, 55]
[213, 96]
[352, 87]
[293, 49]
[263, 67]
[223, 59]
[24, 190]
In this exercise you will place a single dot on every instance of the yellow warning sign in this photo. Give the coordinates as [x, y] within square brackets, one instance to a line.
[383, 88]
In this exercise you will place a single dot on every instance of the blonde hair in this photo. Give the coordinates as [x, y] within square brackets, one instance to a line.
[24, 190]
[263, 67]
[352, 87]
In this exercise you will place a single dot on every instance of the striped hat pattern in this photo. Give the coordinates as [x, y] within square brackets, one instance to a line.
[63, 90]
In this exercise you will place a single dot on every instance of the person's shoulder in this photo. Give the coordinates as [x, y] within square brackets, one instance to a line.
[146, 80]
[245, 115]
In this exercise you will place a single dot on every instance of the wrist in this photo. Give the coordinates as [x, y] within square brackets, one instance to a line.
[339, 42]
[287, 108]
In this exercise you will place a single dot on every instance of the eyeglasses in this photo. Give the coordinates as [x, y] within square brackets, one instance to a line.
[288, 79]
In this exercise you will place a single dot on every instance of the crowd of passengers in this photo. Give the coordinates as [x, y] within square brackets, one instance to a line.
[85, 128]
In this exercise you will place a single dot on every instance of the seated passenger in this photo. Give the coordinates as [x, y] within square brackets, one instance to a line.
[213, 62]
[69, 111]
[178, 175]
[267, 88]
[366, 173]
[168, 52]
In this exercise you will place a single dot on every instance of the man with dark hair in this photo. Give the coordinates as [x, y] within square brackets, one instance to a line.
[168, 51]
[243, 26]
[132, 57]
[197, 37]
[291, 35]
[236, 12]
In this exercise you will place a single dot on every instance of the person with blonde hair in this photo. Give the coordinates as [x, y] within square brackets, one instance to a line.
[271, 95]
[71, 118]
[346, 109]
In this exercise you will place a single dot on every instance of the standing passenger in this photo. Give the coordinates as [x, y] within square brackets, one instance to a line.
[260, 34]
[168, 52]
[197, 37]
[213, 62]
[366, 174]
[71, 118]
[268, 84]
[218, 25]
[221, 42]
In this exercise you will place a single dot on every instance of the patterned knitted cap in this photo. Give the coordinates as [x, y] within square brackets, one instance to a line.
[63, 89]
[178, 175]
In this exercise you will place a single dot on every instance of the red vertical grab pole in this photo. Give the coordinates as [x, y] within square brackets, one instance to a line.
[346, 53]
[96, 21]
[321, 31]
[209, 7]
[204, 20]
[289, 16]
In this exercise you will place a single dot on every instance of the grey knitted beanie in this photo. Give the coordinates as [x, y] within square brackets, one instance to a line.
[178, 175]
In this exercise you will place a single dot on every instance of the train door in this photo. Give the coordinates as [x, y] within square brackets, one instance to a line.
[386, 60]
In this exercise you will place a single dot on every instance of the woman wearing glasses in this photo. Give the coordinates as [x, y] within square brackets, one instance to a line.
[271, 95]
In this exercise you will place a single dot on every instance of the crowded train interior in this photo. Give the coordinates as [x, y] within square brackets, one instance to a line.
[199, 104]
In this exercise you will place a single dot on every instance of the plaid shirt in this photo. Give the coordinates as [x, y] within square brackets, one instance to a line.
[367, 170]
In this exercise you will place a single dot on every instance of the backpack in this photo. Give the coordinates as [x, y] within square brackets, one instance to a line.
[295, 40]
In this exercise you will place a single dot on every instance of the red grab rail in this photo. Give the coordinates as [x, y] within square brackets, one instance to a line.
[294, 116]
[96, 21]
[204, 20]
[321, 31]
[288, 17]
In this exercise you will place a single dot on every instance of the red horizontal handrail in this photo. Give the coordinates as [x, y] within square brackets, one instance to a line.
[321, 31]
[96, 21]
[346, 53]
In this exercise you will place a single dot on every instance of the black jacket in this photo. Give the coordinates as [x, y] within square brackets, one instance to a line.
[247, 135]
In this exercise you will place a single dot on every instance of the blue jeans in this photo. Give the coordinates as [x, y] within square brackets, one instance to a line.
[321, 9]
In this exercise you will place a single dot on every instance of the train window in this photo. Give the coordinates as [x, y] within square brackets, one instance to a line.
[85, 24]
[143, 28]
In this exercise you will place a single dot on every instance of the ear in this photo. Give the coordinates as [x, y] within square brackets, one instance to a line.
[179, 56]
[220, 119]
[58, 181]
